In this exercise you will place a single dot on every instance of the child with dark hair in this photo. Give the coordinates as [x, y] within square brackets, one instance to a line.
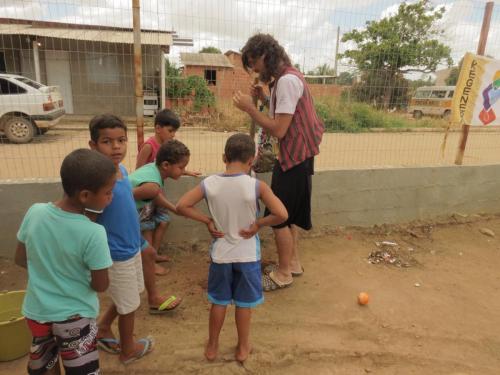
[129, 251]
[148, 184]
[67, 258]
[235, 272]
[166, 125]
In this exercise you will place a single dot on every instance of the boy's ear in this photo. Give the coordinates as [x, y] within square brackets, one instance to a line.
[164, 165]
[83, 196]
[224, 159]
[92, 145]
[250, 161]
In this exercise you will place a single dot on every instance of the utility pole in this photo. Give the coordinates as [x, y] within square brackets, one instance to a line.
[139, 94]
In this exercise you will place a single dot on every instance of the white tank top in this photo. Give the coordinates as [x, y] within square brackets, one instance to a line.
[233, 203]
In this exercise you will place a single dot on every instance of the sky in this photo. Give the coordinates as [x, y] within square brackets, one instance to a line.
[306, 28]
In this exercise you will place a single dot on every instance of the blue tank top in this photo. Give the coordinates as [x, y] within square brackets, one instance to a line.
[121, 221]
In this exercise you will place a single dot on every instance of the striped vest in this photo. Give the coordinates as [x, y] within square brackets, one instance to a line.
[304, 135]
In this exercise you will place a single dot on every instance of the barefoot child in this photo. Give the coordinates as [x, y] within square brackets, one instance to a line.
[108, 136]
[235, 272]
[147, 184]
[166, 125]
[67, 258]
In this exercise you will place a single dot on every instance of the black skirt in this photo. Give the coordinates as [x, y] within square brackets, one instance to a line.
[294, 188]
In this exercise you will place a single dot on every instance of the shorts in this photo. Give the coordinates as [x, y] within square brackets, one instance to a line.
[73, 339]
[126, 283]
[294, 189]
[238, 283]
[151, 215]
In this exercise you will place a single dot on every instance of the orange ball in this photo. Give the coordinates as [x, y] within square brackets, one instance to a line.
[363, 298]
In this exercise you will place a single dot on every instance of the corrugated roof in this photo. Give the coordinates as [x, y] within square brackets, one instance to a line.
[205, 59]
[108, 36]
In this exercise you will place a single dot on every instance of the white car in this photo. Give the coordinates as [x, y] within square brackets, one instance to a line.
[27, 107]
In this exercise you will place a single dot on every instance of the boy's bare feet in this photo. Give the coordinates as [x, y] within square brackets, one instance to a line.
[211, 351]
[242, 352]
[162, 258]
[160, 271]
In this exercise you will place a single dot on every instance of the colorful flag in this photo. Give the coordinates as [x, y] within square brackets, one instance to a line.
[476, 100]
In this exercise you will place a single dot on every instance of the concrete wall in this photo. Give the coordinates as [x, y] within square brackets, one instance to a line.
[350, 198]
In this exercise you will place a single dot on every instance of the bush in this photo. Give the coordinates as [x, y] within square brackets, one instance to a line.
[339, 115]
[183, 87]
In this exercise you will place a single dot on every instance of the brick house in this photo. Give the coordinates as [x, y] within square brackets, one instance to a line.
[224, 73]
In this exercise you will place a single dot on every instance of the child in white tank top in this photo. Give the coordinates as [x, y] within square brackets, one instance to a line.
[235, 272]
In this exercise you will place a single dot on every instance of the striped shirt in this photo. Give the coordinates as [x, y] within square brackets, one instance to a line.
[305, 133]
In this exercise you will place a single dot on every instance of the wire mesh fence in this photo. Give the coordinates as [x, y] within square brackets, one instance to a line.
[366, 63]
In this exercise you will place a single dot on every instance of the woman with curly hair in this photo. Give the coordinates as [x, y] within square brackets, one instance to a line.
[293, 120]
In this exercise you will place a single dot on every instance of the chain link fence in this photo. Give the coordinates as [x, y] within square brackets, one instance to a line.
[366, 62]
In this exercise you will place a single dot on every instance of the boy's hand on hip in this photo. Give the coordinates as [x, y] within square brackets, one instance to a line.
[250, 232]
[213, 230]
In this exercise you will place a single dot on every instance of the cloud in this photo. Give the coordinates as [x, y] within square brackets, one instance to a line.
[306, 28]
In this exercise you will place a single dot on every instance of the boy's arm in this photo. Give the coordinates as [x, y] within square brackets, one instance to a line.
[143, 155]
[278, 213]
[185, 207]
[20, 258]
[146, 191]
[162, 201]
[99, 280]
[153, 191]
[192, 173]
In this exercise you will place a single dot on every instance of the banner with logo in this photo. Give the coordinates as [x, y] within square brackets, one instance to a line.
[476, 100]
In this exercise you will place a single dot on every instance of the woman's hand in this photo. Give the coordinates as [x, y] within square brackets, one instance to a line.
[243, 102]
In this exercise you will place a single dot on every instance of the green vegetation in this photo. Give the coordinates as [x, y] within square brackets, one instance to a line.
[195, 87]
[344, 117]
[408, 41]
[210, 49]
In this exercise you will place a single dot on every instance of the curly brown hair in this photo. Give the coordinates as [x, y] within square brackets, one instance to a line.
[173, 152]
[275, 57]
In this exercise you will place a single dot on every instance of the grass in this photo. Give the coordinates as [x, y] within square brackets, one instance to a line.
[338, 115]
[353, 117]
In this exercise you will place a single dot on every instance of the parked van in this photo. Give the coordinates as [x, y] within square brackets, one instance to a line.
[432, 101]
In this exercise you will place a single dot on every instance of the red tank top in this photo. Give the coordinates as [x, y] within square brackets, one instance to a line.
[155, 146]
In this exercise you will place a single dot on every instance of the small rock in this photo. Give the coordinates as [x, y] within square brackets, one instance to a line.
[367, 370]
[417, 285]
[433, 252]
[487, 232]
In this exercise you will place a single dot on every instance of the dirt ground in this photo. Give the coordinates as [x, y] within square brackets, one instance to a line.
[438, 316]
[43, 157]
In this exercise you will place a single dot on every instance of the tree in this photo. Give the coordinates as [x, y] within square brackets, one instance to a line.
[402, 43]
[452, 78]
[324, 70]
[210, 49]
[345, 79]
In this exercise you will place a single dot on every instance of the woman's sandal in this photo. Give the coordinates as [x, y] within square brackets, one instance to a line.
[270, 283]
[274, 267]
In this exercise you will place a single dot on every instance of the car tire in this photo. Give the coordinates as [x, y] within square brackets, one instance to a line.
[417, 114]
[19, 129]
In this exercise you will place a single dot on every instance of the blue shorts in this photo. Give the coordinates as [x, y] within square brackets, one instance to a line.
[150, 216]
[238, 283]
